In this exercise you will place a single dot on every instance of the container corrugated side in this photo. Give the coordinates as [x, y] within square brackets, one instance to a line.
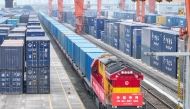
[136, 51]
[170, 41]
[146, 36]
[2, 37]
[44, 80]
[169, 66]
[156, 61]
[145, 59]
[12, 56]
[35, 32]
[128, 47]
[156, 39]
[137, 36]
[83, 52]
[11, 82]
[89, 59]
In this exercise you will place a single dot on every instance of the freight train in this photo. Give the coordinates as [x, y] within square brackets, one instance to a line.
[110, 81]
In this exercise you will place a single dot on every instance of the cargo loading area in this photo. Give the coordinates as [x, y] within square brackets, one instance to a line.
[59, 91]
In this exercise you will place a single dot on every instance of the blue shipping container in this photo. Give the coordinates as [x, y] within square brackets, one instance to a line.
[89, 59]
[99, 23]
[129, 30]
[170, 39]
[2, 37]
[150, 19]
[156, 39]
[182, 22]
[115, 42]
[128, 47]
[169, 66]
[122, 45]
[171, 21]
[137, 36]
[37, 51]
[156, 61]
[35, 32]
[38, 80]
[4, 30]
[11, 82]
[83, 55]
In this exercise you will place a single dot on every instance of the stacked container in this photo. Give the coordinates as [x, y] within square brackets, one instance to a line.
[181, 48]
[115, 33]
[35, 32]
[88, 21]
[37, 65]
[13, 21]
[98, 27]
[156, 46]
[12, 66]
[169, 63]
[128, 37]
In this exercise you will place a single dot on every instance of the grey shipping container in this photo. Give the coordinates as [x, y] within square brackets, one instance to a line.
[19, 30]
[11, 56]
[21, 24]
[145, 59]
[121, 44]
[137, 36]
[16, 36]
[7, 25]
[11, 82]
[146, 35]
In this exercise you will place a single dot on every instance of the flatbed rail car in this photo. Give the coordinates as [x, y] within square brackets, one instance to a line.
[111, 83]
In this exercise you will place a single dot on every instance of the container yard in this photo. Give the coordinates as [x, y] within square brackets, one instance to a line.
[97, 54]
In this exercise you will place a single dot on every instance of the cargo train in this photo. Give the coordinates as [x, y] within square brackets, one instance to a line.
[109, 80]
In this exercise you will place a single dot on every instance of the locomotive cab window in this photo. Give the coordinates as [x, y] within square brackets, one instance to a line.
[95, 69]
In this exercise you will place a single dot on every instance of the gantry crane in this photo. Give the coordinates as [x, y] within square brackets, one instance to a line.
[50, 7]
[60, 10]
[122, 5]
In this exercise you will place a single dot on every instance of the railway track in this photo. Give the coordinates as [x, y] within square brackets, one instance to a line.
[153, 98]
[154, 101]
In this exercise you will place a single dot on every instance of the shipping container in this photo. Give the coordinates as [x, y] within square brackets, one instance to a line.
[161, 20]
[34, 27]
[182, 21]
[89, 59]
[11, 82]
[122, 30]
[90, 20]
[170, 39]
[97, 33]
[16, 36]
[129, 30]
[34, 23]
[7, 25]
[150, 19]
[4, 30]
[38, 80]
[171, 21]
[116, 29]
[145, 59]
[2, 37]
[76, 49]
[128, 47]
[156, 61]
[35, 32]
[156, 39]
[19, 30]
[99, 23]
[12, 56]
[83, 55]
[70, 43]
[37, 51]
[169, 66]
[146, 35]
[21, 24]
[115, 42]
[102, 35]
[12, 21]
[137, 36]
[136, 51]
[24, 19]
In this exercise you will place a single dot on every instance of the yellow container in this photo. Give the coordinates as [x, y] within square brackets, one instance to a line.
[126, 90]
[161, 20]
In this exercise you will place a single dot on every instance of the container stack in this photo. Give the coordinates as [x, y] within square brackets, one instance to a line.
[37, 65]
[116, 36]
[88, 23]
[12, 66]
[98, 27]
[156, 46]
[169, 63]
[37, 58]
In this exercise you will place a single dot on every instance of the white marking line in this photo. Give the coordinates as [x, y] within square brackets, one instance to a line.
[164, 93]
